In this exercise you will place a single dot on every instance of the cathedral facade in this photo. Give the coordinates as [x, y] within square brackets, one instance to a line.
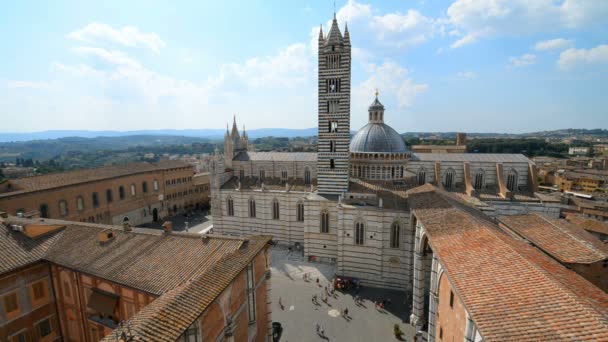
[347, 204]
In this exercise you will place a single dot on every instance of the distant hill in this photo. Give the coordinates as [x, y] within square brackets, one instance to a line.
[212, 134]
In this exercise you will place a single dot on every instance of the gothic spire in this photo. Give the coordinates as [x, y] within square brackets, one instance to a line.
[346, 34]
[235, 130]
[334, 36]
[321, 32]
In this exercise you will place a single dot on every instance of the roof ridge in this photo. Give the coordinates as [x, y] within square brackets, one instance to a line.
[574, 236]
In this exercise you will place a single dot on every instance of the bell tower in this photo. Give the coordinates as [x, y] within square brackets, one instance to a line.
[334, 110]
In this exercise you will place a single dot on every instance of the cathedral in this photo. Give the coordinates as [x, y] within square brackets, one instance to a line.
[347, 204]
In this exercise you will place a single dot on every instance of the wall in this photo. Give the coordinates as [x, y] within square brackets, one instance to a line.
[232, 305]
[295, 169]
[597, 273]
[30, 311]
[452, 320]
[73, 290]
[517, 208]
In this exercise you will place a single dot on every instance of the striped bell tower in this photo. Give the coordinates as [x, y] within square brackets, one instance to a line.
[334, 111]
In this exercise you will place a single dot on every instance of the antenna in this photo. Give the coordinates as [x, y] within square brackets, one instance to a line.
[334, 9]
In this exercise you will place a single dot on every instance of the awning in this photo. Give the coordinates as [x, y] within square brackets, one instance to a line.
[103, 302]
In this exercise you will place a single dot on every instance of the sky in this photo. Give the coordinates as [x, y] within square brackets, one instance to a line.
[459, 65]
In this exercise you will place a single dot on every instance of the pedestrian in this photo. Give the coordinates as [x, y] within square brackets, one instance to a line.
[322, 334]
[318, 329]
[346, 312]
[318, 281]
[281, 304]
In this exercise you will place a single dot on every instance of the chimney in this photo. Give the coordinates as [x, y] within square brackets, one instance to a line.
[105, 236]
[127, 227]
[461, 139]
[168, 226]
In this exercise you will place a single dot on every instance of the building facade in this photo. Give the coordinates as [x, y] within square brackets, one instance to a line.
[71, 281]
[138, 193]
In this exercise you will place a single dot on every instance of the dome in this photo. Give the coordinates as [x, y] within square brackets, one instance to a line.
[377, 137]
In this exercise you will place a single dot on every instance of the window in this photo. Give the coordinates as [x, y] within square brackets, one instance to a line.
[441, 333]
[155, 185]
[21, 336]
[332, 107]
[230, 206]
[512, 180]
[421, 176]
[44, 328]
[478, 184]
[275, 209]
[448, 181]
[144, 187]
[251, 207]
[63, 208]
[80, 203]
[121, 192]
[300, 212]
[39, 290]
[133, 192]
[332, 164]
[191, 335]
[262, 174]
[333, 85]
[332, 146]
[324, 221]
[359, 233]
[109, 197]
[95, 199]
[333, 61]
[44, 211]
[451, 299]
[11, 304]
[306, 176]
[284, 176]
[395, 235]
[242, 174]
[251, 293]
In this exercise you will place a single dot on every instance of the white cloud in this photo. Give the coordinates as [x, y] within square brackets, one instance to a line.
[466, 75]
[112, 57]
[523, 60]
[576, 57]
[553, 44]
[402, 30]
[127, 36]
[392, 80]
[37, 85]
[479, 19]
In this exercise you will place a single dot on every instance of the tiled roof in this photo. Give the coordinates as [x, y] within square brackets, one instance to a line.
[276, 156]
[17, 250]
[559, 238]
[589, 225]
[153, 261]
[167, 317]
[512, 291]
[56, 180]
[472, 157]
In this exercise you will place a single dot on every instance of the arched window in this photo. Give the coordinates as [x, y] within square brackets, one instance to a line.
[63, 208]
[133, 192]
[283, 176]
[230, 206]
[144, 187]
[395, 235]
[479, 175]
[448, 179]
[251, 207]
[306, 175]
[155, 185]
[421, 176]
[109, 197]
[324, 221]
[262, 174]
[80, 203]
[300, 211]
[512, 180]
[359, 233]
[95, 199]
[121, 192]
[332, 164]
[275, 209]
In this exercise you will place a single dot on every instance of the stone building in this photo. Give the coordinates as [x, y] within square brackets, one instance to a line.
[73, 281]
[356, 214]
[138, 193]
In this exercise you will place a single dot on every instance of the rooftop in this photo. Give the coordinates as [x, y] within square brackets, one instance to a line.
[512, 291]
[589, 224]
[472, 157]
[559, 238]
[276, 156]
[57, 180]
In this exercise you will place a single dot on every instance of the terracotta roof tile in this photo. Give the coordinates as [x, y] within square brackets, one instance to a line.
[512, 291]
[559, 238]
[18, 250]
[589, 224]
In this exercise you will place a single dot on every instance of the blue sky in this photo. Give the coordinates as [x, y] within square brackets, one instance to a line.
[461, 65]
